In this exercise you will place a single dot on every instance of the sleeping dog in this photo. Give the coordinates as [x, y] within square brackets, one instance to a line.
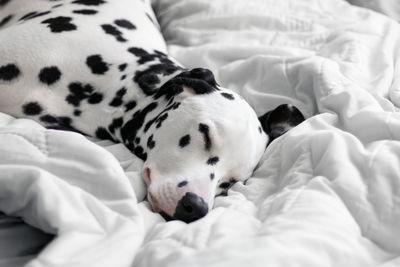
[99, 67]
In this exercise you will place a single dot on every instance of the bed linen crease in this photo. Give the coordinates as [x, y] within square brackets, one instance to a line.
[327, 193]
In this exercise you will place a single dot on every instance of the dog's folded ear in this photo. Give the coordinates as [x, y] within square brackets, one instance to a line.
[280, 120]
[202, 74]
[197, 81]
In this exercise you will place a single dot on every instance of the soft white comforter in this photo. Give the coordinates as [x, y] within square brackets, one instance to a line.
[325, 194]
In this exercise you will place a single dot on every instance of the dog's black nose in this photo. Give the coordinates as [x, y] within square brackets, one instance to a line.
[190, 208]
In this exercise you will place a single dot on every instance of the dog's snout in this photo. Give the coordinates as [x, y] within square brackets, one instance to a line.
[191, 207]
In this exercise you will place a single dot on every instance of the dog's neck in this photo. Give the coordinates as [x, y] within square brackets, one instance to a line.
[144, 112]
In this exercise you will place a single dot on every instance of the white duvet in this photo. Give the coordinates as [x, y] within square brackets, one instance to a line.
[325, 194]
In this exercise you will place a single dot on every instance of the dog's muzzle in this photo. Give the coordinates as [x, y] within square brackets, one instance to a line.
[190, 207]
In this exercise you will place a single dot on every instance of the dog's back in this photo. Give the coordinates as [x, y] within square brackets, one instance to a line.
[60, 58]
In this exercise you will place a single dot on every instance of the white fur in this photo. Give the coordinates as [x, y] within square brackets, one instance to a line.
[233, 124]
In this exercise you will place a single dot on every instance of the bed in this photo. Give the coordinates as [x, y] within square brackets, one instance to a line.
[325, 194]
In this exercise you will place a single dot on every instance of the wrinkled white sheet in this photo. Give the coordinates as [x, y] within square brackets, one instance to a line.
[387, 7]
[67, 186]
[325, 194]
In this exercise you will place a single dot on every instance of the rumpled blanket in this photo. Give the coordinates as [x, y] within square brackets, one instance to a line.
[327, 193]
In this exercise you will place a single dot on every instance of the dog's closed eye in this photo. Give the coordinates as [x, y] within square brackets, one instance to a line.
[182, 184]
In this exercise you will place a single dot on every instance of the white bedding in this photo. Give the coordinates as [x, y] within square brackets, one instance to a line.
[325, 194]
[390, 8]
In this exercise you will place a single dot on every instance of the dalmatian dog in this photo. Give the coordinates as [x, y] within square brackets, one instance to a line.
[100, 68]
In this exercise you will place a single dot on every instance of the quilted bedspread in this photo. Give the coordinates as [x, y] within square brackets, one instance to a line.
[325, 194]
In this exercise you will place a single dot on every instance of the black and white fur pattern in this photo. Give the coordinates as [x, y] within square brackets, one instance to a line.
[99, 67]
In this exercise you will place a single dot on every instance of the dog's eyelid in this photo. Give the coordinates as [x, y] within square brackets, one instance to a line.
[207, 137]
[183, 183]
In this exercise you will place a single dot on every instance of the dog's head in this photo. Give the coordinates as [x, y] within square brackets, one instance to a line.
[209, 134]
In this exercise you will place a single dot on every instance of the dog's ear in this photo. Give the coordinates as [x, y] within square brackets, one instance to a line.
[203, 74]
[280, 120]
[196, 81]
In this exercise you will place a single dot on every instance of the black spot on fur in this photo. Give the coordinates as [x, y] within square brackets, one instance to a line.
[48, 119]
[137, 51]
[176, 105]
[28, 15]
[150, 123]
[117, 100]
[168, 90]
[79, 92]
[77, 112]
[139, 152]
[130, 105]
[122, 67]
[201, 81]
[34, 14]
[102, 133]
[65, 121]
[161, 119]
[6, 20]
[121, 92]
[212, 160]
[110, 29]
[212, 176]
[225, 185]
[184, 141]
[137, 140]
[95, 98]
[182, 184]
[260, 129]
[123, 77]
[228, 184]
[115, 124]
[123, 23]
[96, 64]
[57, 6]
[147, 58]
[205, 130]
[131, 127]
[60, 24]
[170, 101]
[49, 75]
[9, 72]
[85, 11]
[228, 96]
[89, 2]
[32, 108]
[40, 14]
[150, 142]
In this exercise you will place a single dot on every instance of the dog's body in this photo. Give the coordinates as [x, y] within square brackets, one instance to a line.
[75, 66]
[99, 67]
